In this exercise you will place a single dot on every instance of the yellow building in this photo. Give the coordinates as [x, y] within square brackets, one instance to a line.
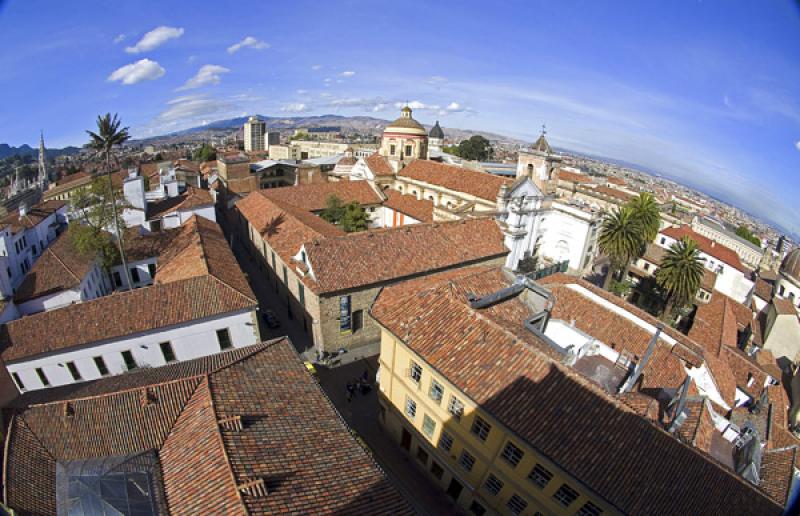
[496, 416]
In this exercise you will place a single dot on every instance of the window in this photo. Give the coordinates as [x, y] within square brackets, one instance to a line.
[480, 428]
[428, 425]
[565, 495]
[646, 266]
[466, 460]
[117, 279]
[18, 381]
[436, 392]
[516, 504]
[42, 377]
[391, 149]
[512, 454]
[477, 509]
[436, 470]
[408, 150]
[540, 476]
[285, 277]
[33, 248]
[101, 366]
[135, 275]
[422, 455]
[590, 509]
[493, 484]
[782, 289]
[663, 241]
[273, 260]
[224, 339]
[302, 293]
[151, 269]
[358, 320]
[445, 441]
[73, 370]
[130, 362]
[415, 372]
[411, 408]
[167, 351]
[455, 407]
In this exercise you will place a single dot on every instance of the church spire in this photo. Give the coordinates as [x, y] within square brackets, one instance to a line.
[41, 178]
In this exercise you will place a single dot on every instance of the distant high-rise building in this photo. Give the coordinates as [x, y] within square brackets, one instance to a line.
[273, 138]
[254, 130]
[782, 245]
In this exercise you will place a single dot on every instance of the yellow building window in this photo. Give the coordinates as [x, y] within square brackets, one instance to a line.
[436, 391]
[590, 509]
[455, 408]
[493, 485]
[540, 476]
[428, 426]
[480, 428]
[445, 441]
[411, 408]
[516, 504]
[512, 454]
[415, 372]
[467, 461]
[565, 495]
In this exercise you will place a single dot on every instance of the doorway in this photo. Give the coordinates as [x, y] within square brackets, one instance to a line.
[405, 440]
[454, 490]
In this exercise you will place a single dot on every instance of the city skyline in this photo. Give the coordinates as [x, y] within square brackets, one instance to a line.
[701, 94]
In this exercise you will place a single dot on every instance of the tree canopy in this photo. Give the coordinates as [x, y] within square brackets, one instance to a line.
[744, 232]
[205, 153]
[475, 148]
[350, 217]
[620, 239]
[680, 274]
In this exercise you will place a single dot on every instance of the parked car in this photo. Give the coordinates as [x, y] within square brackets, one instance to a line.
[271, 319]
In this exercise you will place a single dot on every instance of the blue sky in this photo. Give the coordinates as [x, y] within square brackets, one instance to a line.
[704, 91]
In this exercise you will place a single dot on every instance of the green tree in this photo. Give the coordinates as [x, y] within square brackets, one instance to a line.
[354, 218]
[109, 135]
[744, 232]
[334, 210]
[93, 214]
[620, 239]
[680, 275]
[475, 148]
[205, 153]
[451, 149]
[645, 210]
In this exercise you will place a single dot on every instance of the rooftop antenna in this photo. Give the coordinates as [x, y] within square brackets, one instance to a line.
[544, 129]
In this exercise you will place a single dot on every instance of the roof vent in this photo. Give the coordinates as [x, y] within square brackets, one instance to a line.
[148, 397]
[69, 409]
[231, 423]
[254, 488]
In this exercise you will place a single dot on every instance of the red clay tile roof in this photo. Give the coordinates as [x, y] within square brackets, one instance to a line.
[197, 278]
[73, 177]
[589, 434]
[377, 256]
[60, 267]
[698, 427]
[140, 246]
[379, 165]
[473, 182]
[715, 324]
[784, 306]
[777, 472]
[611, 192]
[191, 199]
[572, 177]
[763, 289]
[288, 425]
[706, 245]
[285, 227]
[33, 217]
[615, 180]
[314, 197]
[422, 210]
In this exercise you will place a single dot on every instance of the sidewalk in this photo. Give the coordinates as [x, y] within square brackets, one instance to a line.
[361, 414]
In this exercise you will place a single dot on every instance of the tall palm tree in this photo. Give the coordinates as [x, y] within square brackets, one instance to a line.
[620, 239]
[109, 134]
[645, 209]
[680, 274]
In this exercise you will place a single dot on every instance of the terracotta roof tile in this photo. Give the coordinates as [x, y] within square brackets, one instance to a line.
[612, 192]
[506, 373]
[33, 217]
[379, 165]
[287, 427]
[422, 210]
[777, 473]
[763, 289]
[708, 246]
[784, 306]
[372, 257]
[314, 197]
[572, 177]
[479, 184]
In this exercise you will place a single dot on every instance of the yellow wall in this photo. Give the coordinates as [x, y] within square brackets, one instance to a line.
[396, 386]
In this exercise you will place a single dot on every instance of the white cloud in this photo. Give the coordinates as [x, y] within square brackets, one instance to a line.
[248, 42]
[301, 92]
[378, 107]
[797, 145]
[416, 104]
[296, 107]
[155, 38]
[454, 106]
[208, 74]
[316, 67]
[142, 70]
[347, 73]
[436, 79]
[327, 80]
[119, 39]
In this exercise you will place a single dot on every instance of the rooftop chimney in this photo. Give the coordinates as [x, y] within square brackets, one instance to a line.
[637, 372]
[23, 209]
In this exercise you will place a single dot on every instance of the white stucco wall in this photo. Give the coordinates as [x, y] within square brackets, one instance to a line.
[190, 340]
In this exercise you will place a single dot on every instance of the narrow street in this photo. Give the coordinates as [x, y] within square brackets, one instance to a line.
[361, 413]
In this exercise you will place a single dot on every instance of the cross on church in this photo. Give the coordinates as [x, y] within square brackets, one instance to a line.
[544, 129]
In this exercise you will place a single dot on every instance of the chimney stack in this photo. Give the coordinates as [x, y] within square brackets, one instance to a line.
[23, 209]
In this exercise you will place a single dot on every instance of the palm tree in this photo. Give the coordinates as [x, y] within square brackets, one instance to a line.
[108, 135]
[680, 274]
[645, 209]
[620, 239]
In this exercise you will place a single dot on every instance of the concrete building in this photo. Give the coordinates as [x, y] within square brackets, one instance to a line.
[503, 417]
[788, 284]
[221, 434]
[750, 253]
[780, 332]
[254, 135]
[404, 141]
[199, 304]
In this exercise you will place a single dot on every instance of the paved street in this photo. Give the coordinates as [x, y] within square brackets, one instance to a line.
[361, 413]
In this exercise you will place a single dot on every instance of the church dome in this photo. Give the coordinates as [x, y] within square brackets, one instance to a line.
[406, 124]
[791, 264]
[436, 132]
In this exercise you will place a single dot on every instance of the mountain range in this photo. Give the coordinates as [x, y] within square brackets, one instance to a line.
[26, 150]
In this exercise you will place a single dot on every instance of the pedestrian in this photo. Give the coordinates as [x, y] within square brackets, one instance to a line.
[365, 376]
[351, 389]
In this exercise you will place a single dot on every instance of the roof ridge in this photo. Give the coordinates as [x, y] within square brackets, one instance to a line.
[228, 285]
[50, 249]
[118, 391]
[252, 349]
